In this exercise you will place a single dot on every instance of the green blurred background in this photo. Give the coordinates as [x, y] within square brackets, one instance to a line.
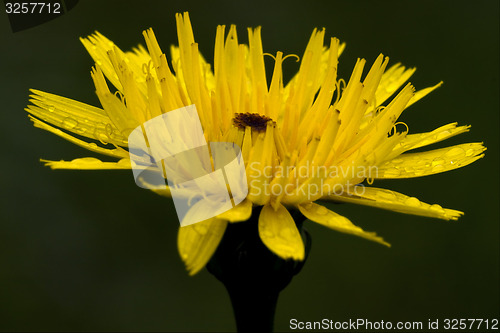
[91, 251]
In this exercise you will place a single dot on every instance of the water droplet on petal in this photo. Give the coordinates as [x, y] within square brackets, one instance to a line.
[321, 210]
[286, 233]
[88, 160]
[386, 196]
[438, 161]
[80, 130]
[69, 123]
[392, 173]
[267, 234]
[436, 207]
[441, 135]
[455, 152]
[103, 138]
[438, 168]
[420, 172]
[469, 152]
[412, 201]
[201, 228]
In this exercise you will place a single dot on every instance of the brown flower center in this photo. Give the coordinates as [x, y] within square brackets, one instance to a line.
[256, 121]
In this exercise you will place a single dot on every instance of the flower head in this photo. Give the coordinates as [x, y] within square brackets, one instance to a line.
[313, 138]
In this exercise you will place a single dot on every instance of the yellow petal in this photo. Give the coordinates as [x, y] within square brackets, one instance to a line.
[397, 202]
[116, 109]
[88, 163]
[163, 190]
[332, 220]
[279, 233]
[76, 117]
[422, 93]
[198, 242]
[97, 46]
[391, 81]
[120, 153]
[413, 141]
[241, 212]
[430, 162]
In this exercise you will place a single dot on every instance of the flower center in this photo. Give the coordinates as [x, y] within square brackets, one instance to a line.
[256, 121]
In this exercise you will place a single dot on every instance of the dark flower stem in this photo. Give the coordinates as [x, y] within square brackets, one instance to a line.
[253, 275]
[253, 309]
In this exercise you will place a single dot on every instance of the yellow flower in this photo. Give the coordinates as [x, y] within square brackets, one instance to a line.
[308, 138]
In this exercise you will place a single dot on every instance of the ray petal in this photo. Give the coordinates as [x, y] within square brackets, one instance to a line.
[279, 233]
[241, 212]
[74, 116]
[89, 163]
[119, 153]
[198, 242]
[332, 220]
[390, 200]
[430, 162]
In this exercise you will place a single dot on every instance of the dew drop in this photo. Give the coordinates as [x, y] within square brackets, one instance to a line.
[441, 136]
[455, 152]
[267, 234]
[436, 207]
[438, 161]
[469, 152]
[321, 210]
[286, 233]
[88, 160]
[412, 201]
[438, 168]
[419, 172]
[51, 109]
[103, 138]
[80, 130]
[392, 173]
[397, 161]
[200, 228]
[69, 123]
[386, 196]
[410, 169]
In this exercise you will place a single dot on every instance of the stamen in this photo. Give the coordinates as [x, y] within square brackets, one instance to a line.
[288, 56]
[120, 95]
[269, 54]
[292, 55]
[393, 129]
